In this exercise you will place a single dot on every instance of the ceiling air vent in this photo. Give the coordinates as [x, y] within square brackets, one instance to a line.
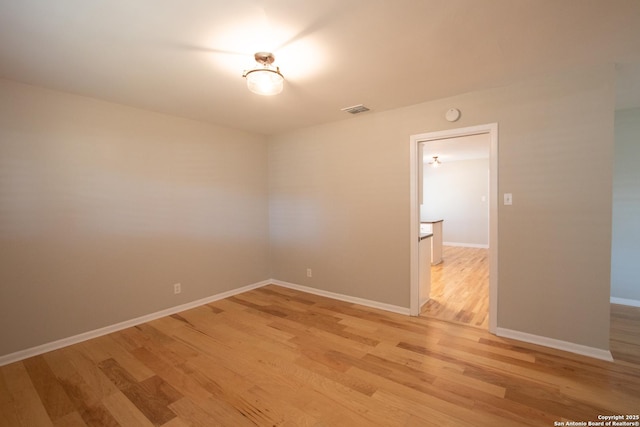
[355, 109]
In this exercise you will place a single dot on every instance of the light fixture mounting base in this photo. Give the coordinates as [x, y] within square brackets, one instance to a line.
[264, 58]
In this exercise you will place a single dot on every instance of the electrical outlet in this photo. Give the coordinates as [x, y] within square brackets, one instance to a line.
[309, 273]
[177, 288]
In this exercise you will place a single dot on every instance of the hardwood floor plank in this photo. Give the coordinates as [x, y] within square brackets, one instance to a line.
[52, 394]
[72, 370]
[304, 333]
[178, 422]
[192, 414]
[338, 402]
[203, 396]
[241, 392]
[460, 287]
[453, 378]
[151, 397]
[420, 413]
[124, 411]
[94, 383]
[8, 411]
[28, 407]
[393, 352]
[339, 377]
[106, 347]
[625, 333]
[456, 410]
[72, 419]
[277, 356]
[87, 401]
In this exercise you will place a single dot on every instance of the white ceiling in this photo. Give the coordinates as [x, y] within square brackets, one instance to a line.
[448, 150]
[186, 57]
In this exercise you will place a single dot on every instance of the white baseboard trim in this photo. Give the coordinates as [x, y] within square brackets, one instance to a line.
[466, 245]
[44, 348]
[557, 344]
[345, 298]
[502, 332]
[625, 301]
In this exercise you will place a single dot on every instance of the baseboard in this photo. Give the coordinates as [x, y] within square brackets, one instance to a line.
[557, 344]
[44, 348]
[625, 301]
[345, 298]
[506, 333]
[466, 245]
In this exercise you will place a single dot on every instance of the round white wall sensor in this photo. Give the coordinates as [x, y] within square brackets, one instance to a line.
[452, 114]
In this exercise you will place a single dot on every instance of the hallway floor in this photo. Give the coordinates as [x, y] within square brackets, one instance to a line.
[460, 294]
[460, 287]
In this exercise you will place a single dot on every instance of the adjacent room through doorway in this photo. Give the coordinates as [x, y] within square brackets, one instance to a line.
[456, 190]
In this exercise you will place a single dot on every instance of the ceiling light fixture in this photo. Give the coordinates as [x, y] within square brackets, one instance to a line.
[265, 79]
[435, 163]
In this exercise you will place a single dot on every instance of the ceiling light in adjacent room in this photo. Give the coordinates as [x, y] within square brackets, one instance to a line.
[435, 162]
[265, 79]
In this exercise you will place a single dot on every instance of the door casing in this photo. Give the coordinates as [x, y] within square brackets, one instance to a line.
[414, 172]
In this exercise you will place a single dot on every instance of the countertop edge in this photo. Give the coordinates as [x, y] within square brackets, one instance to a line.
[425, 235]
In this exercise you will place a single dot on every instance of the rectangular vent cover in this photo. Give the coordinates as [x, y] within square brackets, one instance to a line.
[355, 109]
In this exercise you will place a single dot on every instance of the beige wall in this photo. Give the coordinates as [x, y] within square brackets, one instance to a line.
[104, 207]
[339, 201]
[339, 205]
[454, 192]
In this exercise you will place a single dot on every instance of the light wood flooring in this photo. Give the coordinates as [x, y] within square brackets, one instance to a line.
[278, 357]
[625, 334]
[460, 294]
[460, 287]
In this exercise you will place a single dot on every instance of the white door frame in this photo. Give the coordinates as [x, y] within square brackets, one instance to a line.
[492, 130]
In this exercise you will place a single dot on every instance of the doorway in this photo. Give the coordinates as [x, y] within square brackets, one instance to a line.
[456, 188]
[416, 142]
